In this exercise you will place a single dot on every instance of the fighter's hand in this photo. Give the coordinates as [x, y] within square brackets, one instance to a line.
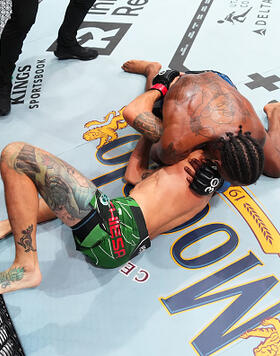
[191, 170]
[207, 179]
[163, 79]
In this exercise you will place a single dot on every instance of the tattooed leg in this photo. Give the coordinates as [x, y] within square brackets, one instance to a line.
[22, 206]
[27, 170]
[65, 190]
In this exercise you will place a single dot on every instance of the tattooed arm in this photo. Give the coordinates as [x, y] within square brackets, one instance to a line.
[139, 115]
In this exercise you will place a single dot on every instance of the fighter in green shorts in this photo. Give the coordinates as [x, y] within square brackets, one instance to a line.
[112, 233]
[109, 232]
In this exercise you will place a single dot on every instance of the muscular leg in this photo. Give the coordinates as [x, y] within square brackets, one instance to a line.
[26, 171]
[146, 68]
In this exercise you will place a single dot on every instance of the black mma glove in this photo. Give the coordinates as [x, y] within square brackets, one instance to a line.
[163, 79]
[207, 179]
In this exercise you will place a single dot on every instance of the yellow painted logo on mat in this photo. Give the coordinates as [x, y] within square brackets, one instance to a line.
[105, 133]
[266, 233]
[270, 346]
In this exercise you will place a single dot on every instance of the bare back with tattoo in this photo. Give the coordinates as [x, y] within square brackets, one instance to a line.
[202, 107]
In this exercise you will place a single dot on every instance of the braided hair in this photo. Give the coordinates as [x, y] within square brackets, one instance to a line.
[242, 157]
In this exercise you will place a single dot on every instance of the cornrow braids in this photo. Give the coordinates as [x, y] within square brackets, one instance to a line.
[242, 157]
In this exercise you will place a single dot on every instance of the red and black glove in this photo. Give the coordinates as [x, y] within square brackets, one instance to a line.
[163, 79]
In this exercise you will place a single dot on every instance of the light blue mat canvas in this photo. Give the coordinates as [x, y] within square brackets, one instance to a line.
[209, 287]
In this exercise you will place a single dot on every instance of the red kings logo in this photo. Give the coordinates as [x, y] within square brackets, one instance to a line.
[115, 233]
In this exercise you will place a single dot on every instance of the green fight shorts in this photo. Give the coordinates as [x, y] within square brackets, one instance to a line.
[113, 232]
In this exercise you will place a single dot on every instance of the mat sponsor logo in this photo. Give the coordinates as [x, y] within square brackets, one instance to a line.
[226, 327]
[21, 84]
[139, 274]
[102, 36]
[265, 232]
[259, 81]
[238, 12]
[244, 9]
[233, 17]
[106, 130]
[188, 39]
[105, 36]
[111, 7]
[269, 332]
[239, 293]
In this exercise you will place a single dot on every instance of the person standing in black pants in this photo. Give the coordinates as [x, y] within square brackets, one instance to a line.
[22, 18]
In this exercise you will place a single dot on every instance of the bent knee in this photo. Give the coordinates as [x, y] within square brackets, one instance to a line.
[11, 151]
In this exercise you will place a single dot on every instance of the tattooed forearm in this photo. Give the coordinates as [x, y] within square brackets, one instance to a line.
[26, 240]
[149, 125]
[12, 275]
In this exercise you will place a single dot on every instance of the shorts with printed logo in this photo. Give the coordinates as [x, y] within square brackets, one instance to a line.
[113, 232]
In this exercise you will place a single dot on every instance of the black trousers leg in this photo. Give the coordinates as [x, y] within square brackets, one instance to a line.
[74, 16]
[23, 17]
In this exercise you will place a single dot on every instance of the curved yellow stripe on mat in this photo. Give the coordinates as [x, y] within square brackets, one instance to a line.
[264, 230]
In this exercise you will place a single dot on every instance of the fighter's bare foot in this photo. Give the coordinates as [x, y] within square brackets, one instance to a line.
[141, 67]
[19, 277]
[5, 228]
[272, 108]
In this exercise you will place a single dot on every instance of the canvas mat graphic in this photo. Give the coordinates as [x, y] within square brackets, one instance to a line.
[209, 287]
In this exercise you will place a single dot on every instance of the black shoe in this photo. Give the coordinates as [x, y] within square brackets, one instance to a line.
[75, 52]
[5, 99]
